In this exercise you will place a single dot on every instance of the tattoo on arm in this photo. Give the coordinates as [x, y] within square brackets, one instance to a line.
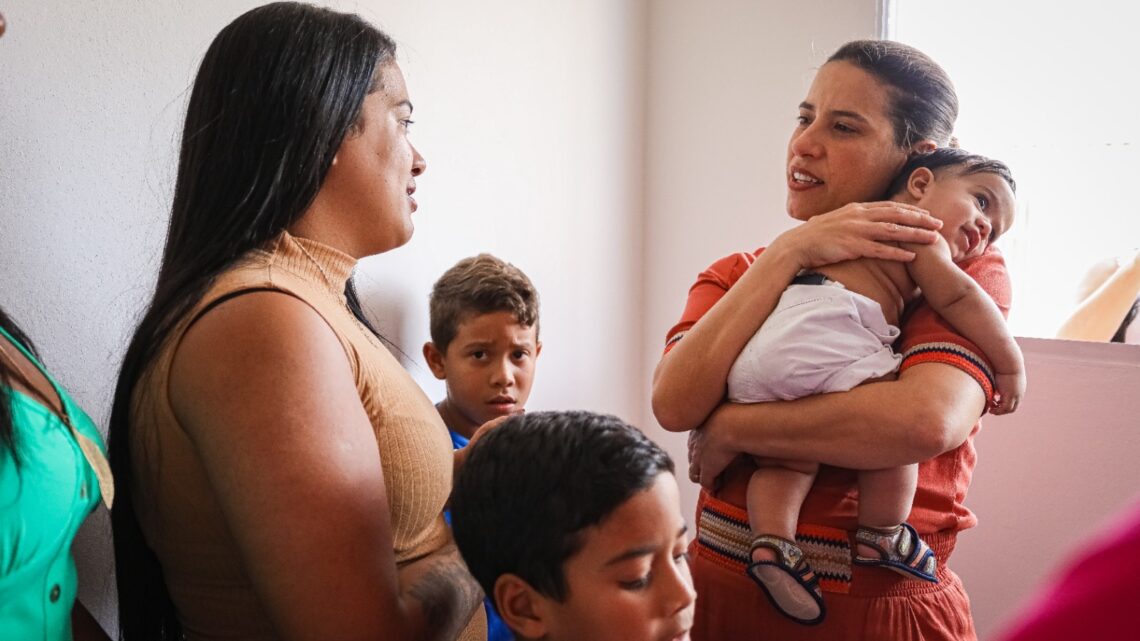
[447, 594]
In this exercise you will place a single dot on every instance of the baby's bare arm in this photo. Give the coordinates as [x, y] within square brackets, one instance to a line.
[966, 306]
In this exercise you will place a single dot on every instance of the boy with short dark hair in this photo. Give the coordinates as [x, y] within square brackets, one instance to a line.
[484, 342]
[571, 523]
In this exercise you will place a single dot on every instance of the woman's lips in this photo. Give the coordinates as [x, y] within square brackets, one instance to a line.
[800, 180]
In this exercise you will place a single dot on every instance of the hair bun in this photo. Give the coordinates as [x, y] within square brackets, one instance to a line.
[954, 144]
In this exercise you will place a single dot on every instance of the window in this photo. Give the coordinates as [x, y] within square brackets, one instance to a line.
[1052, 89]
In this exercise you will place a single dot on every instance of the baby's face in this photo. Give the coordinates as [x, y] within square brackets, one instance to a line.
[975, 210]
[630, 581]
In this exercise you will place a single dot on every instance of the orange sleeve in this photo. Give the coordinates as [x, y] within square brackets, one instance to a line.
[711, 285]
[927, 338]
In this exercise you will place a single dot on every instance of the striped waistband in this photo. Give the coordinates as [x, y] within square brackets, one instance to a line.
[723, 530]
[725, 539]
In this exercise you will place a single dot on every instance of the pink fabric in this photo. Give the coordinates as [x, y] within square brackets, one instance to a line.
[1095, 597]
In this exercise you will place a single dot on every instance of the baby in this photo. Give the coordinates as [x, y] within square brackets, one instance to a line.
[833, 329]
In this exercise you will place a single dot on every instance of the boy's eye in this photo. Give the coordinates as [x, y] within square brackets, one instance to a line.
[844, 128]
[636, 584]
[683, 557]
[478, 354]
[518, 354]
[803, 120]
[983, 202]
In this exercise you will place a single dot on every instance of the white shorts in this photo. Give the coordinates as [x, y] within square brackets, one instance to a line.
[819, 339]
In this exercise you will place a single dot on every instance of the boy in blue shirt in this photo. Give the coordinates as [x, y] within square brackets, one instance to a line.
[484, 342]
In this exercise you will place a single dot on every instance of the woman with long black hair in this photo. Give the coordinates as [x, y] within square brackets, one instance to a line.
[281, 476]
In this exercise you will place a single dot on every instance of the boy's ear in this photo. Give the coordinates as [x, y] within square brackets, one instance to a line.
[919, 182]
[521, 607]
[537, 348]
[434, 360]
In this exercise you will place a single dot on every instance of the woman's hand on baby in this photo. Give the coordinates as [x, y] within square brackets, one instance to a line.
[709, 454]
[1010, 389]
[859, 230]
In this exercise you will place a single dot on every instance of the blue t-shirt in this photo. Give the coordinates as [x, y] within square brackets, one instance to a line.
[496, 629]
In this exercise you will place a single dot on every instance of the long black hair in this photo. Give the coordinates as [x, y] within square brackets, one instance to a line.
[7, 430]
[277, 92]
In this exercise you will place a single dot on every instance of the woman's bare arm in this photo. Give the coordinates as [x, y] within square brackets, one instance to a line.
[1099, 315]
[929, 410]
[689, 382]
[265, 391]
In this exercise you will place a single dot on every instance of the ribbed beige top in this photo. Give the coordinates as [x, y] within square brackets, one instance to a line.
[177, 509]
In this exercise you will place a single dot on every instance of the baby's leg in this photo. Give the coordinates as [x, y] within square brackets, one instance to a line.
[776, 491]
[883, 538]
[886, 496]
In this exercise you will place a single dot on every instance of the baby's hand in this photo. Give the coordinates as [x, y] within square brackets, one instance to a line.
[1010, 389]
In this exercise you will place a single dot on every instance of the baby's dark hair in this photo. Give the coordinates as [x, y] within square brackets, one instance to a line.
[964, 162]
[532, 485]
[479, 285]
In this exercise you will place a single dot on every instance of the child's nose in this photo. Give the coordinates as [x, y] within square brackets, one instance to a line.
[680, 585]
[503, 374]
[985, 228]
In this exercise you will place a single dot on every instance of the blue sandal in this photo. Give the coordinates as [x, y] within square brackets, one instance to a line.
[788, 582]
[901, 550]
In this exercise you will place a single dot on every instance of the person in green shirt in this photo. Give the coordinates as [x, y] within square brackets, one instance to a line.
[53, 472]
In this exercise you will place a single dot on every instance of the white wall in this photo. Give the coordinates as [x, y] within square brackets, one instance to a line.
[725, 80]
[529, 115]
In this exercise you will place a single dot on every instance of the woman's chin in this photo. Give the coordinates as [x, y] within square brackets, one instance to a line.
[798, 210]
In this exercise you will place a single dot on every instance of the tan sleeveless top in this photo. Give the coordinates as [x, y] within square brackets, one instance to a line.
[176, 506]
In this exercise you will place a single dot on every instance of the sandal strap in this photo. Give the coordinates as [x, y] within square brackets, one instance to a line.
[902, 546]
[790, 554]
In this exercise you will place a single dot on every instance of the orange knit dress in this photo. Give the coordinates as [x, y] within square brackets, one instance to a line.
[863, 604]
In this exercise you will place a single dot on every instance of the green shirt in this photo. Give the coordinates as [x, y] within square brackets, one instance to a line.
[43, 502]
